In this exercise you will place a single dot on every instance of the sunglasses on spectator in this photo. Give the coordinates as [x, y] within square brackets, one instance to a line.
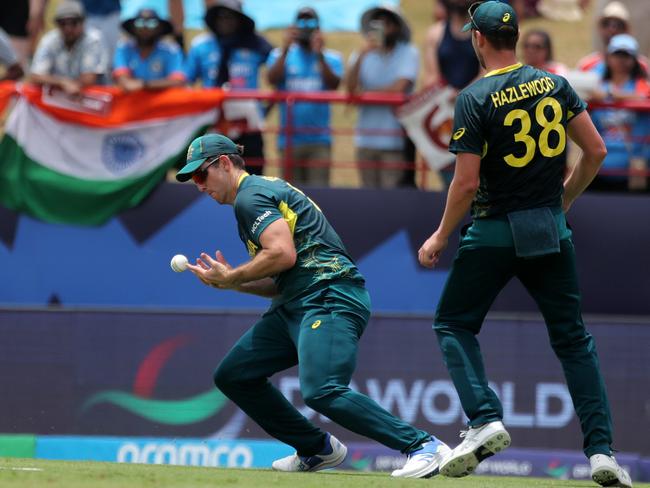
[307, 23]
[72, 22]
[613, 23]
[201, 174]
[146, 23]
[536, 47]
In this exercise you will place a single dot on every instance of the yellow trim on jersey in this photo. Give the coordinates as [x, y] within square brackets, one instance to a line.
[241, 178]
[251, 248]
[289, 215]
[501, 71]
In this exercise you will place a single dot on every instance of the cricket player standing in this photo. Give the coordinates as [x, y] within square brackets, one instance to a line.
[510, 135]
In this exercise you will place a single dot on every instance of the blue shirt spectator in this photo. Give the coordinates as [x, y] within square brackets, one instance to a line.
[624, 131]
[244, 60]
[304, 65]
[231, 55]
[146, 59]
[303, 74]
[165, 60]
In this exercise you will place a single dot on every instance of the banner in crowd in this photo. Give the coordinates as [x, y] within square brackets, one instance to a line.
[428, 120]
[81, 160]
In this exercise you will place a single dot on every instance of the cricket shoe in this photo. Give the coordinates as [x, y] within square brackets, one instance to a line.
[332, 455]
[424, 462]
[478, 443]
[606, 472]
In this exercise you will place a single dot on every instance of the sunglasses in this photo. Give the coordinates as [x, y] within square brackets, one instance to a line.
[471, 10]
[201, 174]
[146, 23]
[307, 23]
[71, 22]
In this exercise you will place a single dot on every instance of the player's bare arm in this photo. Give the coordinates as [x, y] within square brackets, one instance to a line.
[462, 191]
[277, 254]
[585, 135]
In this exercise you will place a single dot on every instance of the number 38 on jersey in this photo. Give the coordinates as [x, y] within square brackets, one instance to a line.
[537, 134]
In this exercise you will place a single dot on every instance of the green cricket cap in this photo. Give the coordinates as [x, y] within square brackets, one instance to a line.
[202, 148]
[493, 18]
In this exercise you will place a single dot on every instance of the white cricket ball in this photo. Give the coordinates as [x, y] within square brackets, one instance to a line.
[179, 263]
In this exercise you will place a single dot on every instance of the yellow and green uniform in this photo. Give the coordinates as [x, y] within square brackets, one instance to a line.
[516, 119]
[316, 321]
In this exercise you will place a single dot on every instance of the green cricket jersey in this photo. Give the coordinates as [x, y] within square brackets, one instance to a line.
[515, 118]
[321, 255]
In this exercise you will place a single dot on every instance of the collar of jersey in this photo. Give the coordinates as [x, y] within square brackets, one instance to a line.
[241, 178]
[507, 69]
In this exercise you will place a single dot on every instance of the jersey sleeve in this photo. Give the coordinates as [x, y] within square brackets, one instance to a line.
[255, 210]
[120, 60]
[335, 62]
[574, 104]
[409, 66]
[273, 57]
[43, 60]
[467, 134]
[192, 64]
[175, 63]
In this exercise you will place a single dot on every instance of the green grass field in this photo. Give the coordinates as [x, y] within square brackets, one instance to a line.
[33, 473]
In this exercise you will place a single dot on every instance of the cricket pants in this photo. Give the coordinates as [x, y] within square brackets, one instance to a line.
[320, 332]
[478, 274]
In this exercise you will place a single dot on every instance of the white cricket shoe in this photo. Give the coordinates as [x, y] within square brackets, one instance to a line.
[425, 461]
[606, 472]
[478, 443]
[332, 455]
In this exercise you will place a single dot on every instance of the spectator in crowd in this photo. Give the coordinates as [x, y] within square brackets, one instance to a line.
[12, 68]
[623, 130]
[71, 56]
[303, 64]
[614, 20]
[538, 52]
[166, 9]
[230, 55]
[387, 62]
[104, 15]
[146, 59]
[639, 13]
[23, 21]
[449, 57]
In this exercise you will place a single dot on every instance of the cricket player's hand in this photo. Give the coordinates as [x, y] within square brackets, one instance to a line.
[429, 253]
[213, 272]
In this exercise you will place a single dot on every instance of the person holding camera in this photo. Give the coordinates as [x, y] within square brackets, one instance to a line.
[387, 62]
[304, 65]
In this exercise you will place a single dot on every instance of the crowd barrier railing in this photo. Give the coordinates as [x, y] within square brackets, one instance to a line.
[640, 138]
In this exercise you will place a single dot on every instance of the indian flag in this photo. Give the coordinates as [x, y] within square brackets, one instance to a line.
[82, 161]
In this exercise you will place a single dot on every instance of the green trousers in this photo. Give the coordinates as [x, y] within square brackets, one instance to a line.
[478, 274]
[320, 332]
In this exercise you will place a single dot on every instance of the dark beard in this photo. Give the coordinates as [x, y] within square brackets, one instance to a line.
[147, 42]
[391, 41]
